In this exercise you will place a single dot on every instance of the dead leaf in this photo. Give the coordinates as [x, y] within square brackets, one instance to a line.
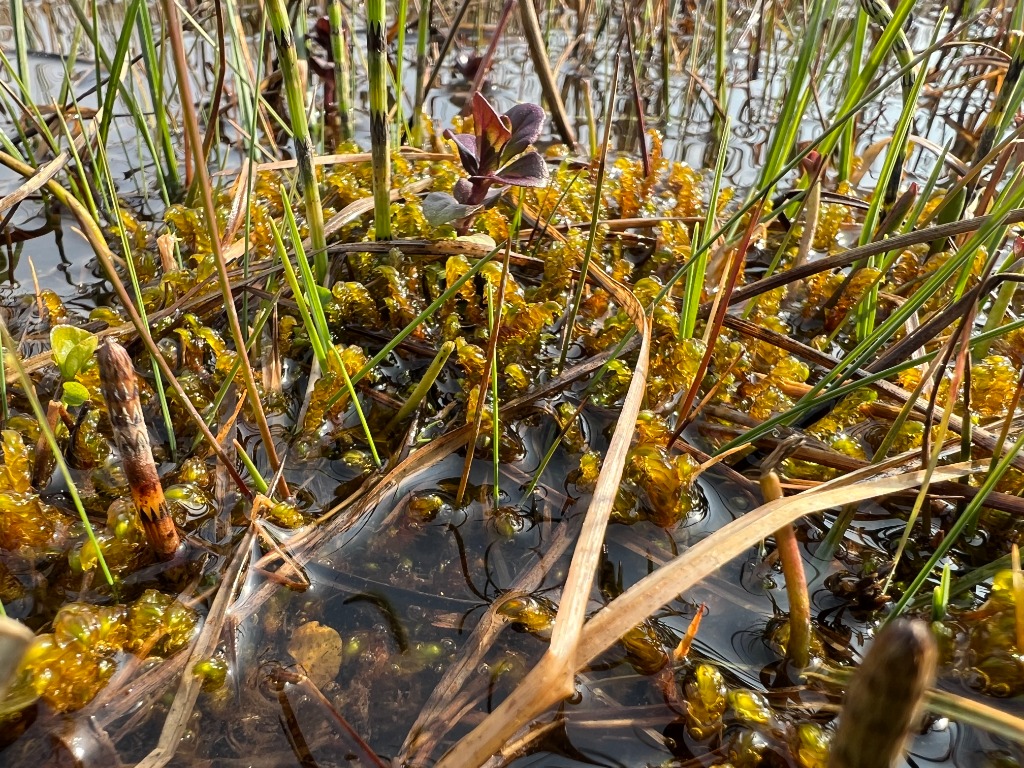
[317, 648]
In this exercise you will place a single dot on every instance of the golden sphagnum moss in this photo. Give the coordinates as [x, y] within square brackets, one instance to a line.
[383, 292]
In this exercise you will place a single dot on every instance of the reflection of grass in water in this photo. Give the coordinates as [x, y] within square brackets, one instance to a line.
[833, 344]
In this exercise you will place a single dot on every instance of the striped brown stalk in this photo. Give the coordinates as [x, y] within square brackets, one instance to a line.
[121, 391]
[884, 699]
[380, 143]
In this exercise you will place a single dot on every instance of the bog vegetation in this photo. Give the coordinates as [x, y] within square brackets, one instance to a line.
[407, 416]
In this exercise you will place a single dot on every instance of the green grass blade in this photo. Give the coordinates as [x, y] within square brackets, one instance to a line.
[423, 316]
[342, 69]
[21, 46]
[117, 66]
[295, 89]
[319, 319]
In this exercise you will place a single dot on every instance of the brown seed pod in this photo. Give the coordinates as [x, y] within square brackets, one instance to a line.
[883, 701]
[121, 391]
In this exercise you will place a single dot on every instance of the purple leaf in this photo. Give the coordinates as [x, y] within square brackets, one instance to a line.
[492, 134]
[527, 170]
[463, 191]
[527, 121]
[466, 144]
[441, 208]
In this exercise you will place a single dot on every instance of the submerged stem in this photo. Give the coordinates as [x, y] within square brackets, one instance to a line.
[798, 648]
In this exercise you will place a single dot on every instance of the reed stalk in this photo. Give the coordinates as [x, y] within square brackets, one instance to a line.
[342, 69]
[210, 216]
[380, 140]
[422, 41]
[121, 392]
[897, 670]
[295, 90]
[541, 64]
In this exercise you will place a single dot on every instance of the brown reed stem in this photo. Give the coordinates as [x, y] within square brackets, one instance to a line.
[882, 702]
[121, 391]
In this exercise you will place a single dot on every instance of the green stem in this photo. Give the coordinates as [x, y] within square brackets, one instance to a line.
[400, 128]
[21, 46]
[295, 91]
[155, 79]
[495, 423]
[380, 142]
[250, 467]
[429, 377]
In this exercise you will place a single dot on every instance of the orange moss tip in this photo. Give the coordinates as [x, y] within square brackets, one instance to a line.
[121, 391]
